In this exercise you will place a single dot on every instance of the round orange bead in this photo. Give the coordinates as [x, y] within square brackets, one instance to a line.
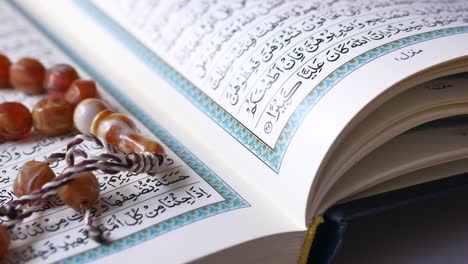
[53, 116]
[82, 190]
[31, 176]
[4, 71]
[59, 78]
[15, 121]
[27, 75]
[81, 90]
[4, 241]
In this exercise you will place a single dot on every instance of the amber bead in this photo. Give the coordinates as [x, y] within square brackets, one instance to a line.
[4, 241]
[86, 111]
[81, 90]
[15, 121]
[138, 143]
[31, 176]
[97, 120]
[111, 126]
[82, 190]
[59, 78]
[4, 71]
[27, 75]
[53, 116]
[120, 131]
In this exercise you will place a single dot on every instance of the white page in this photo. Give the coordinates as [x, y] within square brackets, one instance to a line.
[259, 60]
[321, 112]
[406, 153]
[444, 97]
[134, 208]
[432, 173]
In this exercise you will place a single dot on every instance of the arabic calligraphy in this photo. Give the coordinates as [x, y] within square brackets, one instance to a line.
[248, 55]
[404, 55]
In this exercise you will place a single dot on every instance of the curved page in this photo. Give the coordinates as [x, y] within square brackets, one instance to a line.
[412, 151]
[433, 100]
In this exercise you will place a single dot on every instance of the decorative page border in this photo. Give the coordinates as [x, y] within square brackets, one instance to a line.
[272, 157]
[232, 199]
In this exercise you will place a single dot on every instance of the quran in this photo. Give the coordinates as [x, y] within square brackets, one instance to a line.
[270, 112]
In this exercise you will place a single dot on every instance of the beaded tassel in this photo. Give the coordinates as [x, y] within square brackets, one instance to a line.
[111, 161]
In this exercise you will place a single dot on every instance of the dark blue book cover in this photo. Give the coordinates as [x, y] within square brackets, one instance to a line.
[408, 225]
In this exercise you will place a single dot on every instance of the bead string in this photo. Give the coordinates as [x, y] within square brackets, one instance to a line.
[91, 230]
[111, 162]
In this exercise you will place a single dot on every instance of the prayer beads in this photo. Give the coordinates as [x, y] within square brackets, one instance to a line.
[32, 176]
[15, 121]
[53, 116]
[112, 127]
[83, 190]
[85, 112]
[81, 90]
[27, 75]
[138, 143]
[71, 103]
[92, 115]
[4, 71]
[59, 78]
[4, 241]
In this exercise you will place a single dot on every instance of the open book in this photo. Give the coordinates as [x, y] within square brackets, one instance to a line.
[270, 112]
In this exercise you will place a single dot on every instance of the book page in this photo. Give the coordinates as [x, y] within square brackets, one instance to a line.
[433, 100]
[133, 208]
[265, 63]
[438, 142]
[116, 38]
[428, 174]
